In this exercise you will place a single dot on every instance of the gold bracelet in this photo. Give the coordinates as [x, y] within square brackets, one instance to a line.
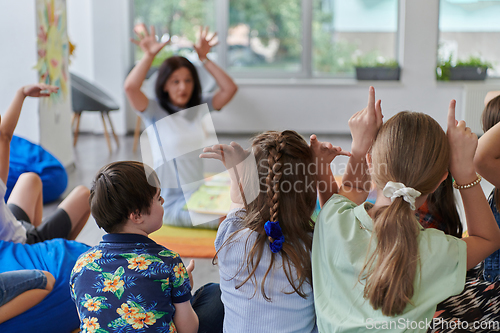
[474, 183]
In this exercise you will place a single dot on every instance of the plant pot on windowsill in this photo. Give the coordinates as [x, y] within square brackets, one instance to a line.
[468, 73]
[378, 73]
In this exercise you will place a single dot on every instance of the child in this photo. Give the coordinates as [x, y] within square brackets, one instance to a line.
[129, 282]
[264, 249]
[21, 290]
[20, 220]
[374, 267]
[487, 163]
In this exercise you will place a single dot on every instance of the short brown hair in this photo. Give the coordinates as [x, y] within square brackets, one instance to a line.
[119, 189]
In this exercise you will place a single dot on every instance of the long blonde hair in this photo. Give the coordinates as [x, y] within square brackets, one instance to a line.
[413, 149]
[282, 157]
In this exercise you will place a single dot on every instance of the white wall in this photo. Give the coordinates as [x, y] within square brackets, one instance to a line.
[18, 56]
[39, 119]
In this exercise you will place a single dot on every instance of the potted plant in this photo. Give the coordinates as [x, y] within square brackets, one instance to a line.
[372, 67]
[471, 69]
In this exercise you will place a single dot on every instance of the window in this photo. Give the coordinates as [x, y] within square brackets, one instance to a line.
[279, 38]
[178, 20]
[264, 35]
[470, 28]
[350, 32]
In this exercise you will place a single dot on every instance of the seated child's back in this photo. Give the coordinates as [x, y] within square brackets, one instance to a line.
[128, 281]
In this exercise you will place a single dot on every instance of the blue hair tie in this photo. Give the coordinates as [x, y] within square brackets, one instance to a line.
[273, 230]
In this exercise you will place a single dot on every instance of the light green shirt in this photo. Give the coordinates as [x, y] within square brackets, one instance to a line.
[340, 244]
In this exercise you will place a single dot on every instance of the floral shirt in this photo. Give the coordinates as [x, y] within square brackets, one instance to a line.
[128, 283]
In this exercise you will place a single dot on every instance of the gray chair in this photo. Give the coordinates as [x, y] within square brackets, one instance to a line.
[88, 97]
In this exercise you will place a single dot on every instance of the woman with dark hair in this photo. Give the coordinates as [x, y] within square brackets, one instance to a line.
[177, 141]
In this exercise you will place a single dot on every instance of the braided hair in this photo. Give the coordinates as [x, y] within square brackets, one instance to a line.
[282, 159]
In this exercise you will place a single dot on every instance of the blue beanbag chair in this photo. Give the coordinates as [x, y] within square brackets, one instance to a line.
[56, 312]
[26, 156]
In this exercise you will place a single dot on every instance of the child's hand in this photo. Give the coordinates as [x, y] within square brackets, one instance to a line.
[231, 155]
[234, 158]
[463, 144]
[147, 42]
[365, 124]
[190, 269]
[325, 152]
[39, 90]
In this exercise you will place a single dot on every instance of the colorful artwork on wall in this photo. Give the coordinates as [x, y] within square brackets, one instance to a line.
[52, 45]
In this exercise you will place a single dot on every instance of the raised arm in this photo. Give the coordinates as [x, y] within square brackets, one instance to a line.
[490, 95]
[487, 158]
[10, 118]
[484, 234]
[364, 125]
[150, 46]
[227, 87]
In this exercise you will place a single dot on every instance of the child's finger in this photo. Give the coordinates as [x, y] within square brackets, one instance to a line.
[461, 125]
[313, 140]
[213, 36]
[211, 155]
[136, 42]
[344, 152]
[237, 148]
[190, 267]
[328, 146]
[378, 111]
[451, 114]
[153, 30]
[371, 98]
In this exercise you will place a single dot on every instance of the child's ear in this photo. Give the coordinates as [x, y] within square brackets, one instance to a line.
[136, 217]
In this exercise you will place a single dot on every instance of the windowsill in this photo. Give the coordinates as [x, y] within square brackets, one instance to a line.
[348, 82]
[315, 82]
[488, 81]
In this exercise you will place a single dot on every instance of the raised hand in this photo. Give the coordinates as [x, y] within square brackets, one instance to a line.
[39, 90]
[204, 44]
[463, 144]
[325, 151]
[146, 41]
[365, 124]
[242, 171]
[230, 155]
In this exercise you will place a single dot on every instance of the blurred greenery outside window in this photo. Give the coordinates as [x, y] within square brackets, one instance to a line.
[178, 20]
[469, 31]
[354, 32]
[267, 37]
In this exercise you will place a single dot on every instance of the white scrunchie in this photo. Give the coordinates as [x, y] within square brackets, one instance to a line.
[393, 190]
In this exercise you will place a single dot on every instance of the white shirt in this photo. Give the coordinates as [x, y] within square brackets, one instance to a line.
[11, 230]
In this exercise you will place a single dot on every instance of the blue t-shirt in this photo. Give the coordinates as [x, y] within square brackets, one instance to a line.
[492, 263]
[128, 283]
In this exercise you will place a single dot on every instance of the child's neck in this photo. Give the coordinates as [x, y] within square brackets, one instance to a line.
[132, 229]
[383, 201]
